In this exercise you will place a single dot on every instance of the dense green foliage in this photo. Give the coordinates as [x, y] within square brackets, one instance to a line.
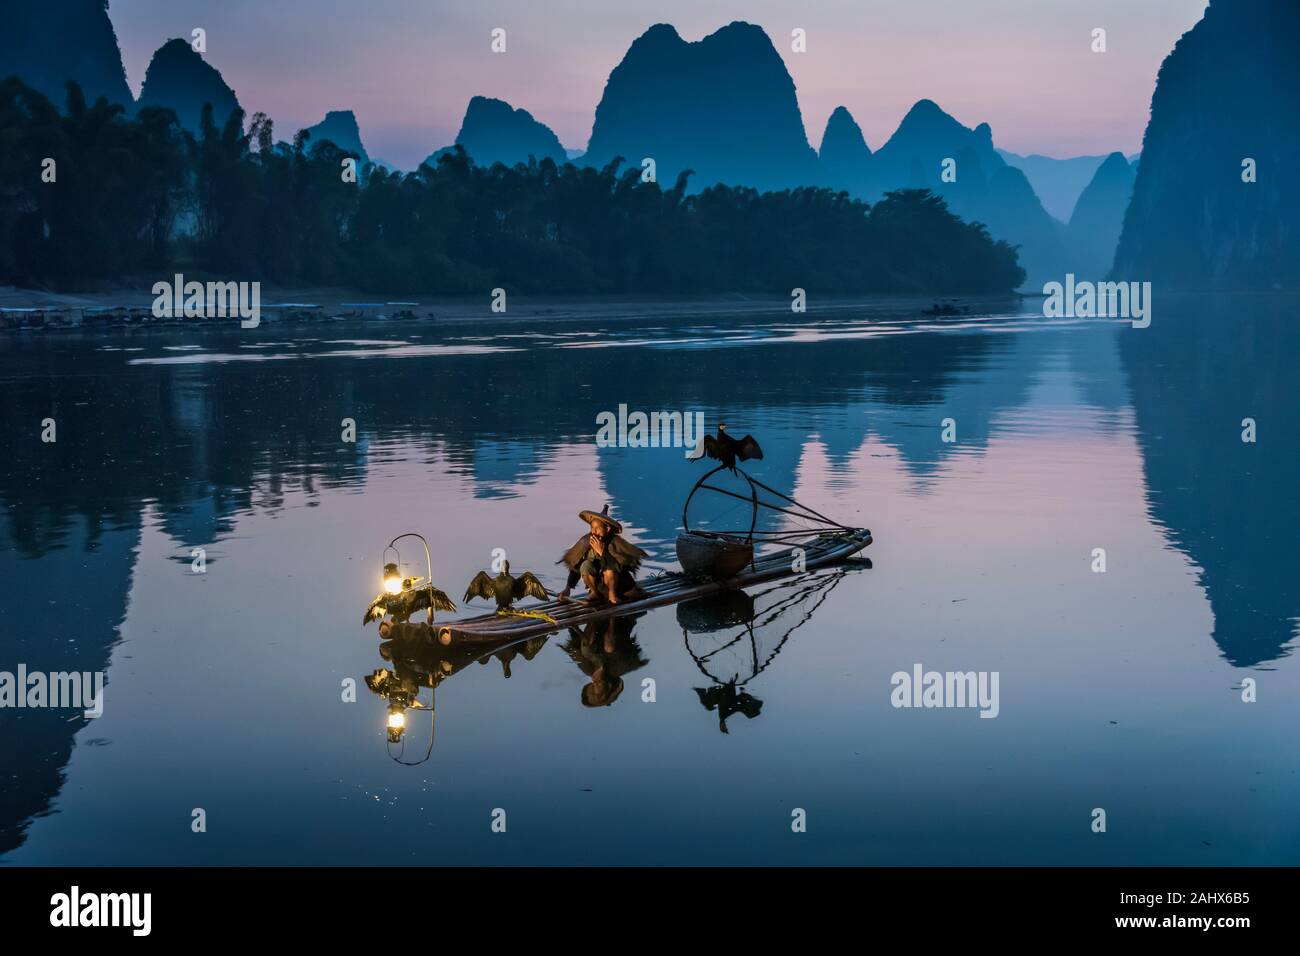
[140, 196]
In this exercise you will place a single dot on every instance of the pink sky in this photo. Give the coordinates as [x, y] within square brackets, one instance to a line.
[408, 67]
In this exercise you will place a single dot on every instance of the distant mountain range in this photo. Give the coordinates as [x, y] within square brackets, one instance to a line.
[1215, 203]
[1058, 183]
[725, 108]
[932, 150]
[57, 41]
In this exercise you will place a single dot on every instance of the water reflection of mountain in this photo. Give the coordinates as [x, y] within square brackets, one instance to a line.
[1230, 506]
[207, 441]
[202, 443]
[61, 613]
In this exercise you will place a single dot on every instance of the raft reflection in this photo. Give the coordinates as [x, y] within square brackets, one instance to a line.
[420, 662]
[735, 633]
[605, 651]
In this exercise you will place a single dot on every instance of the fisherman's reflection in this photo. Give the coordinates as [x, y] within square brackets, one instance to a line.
[605, 651]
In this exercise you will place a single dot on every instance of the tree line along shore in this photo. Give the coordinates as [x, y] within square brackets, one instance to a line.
[93, 194]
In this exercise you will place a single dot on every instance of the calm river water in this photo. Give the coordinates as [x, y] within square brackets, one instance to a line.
[225, 690]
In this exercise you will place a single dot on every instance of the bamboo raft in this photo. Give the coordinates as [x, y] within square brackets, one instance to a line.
[664, 589]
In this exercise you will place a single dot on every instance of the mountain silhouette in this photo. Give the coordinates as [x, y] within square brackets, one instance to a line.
[1099, 216]
[494, 132]
[1058, 183]
[1228, 94]
[47, 44]
[180, 80]
[723, 106]
[984, 188]
[340, 128]
[844, 154]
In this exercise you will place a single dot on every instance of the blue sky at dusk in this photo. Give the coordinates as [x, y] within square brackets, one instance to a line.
[407, 68]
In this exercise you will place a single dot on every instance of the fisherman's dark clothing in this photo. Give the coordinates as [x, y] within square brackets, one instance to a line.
[621, 557]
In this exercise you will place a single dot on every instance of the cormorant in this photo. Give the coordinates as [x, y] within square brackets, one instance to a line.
[410, 600]
[505, 588]
[728, 450]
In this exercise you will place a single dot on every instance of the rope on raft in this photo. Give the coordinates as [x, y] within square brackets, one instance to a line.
[516, 612]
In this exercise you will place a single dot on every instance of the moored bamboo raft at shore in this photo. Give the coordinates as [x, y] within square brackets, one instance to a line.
[670, 588]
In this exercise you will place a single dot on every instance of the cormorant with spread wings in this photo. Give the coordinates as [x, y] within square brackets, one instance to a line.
[505, 589]
[729, 450]
[411, 599]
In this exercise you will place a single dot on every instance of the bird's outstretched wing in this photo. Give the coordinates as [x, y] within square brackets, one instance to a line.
[419, 600]
[378, 608]
[748, 448]
[481, 586]
[527, 585]
[440, 600]
[712, 447]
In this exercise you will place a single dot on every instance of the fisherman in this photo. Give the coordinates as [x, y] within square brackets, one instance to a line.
[604, 561]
